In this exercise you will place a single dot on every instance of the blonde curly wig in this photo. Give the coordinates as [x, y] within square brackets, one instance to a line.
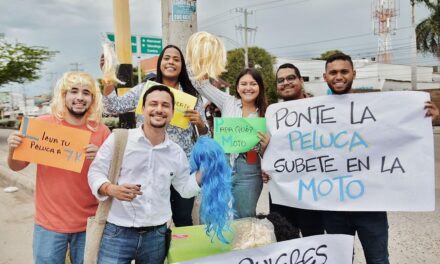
[65, 84]
[206, 55]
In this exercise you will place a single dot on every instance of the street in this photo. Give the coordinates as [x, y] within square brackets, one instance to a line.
[413, 237]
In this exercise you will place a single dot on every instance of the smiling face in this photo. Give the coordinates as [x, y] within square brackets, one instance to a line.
[339, 76]
[248, 89]
[78, 100]
[289, 85]
[171, 64]
[158, 109]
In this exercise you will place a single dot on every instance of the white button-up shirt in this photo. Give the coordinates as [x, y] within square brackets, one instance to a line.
[155, 168]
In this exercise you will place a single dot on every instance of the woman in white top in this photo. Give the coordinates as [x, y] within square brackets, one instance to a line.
[250, 101]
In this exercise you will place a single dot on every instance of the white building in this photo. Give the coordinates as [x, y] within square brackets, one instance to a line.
[369, 76]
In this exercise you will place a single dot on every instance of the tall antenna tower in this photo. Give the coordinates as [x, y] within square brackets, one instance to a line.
[384, 13]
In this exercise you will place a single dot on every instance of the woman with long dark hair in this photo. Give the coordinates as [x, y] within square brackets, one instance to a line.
[171, 71]
[250, 101]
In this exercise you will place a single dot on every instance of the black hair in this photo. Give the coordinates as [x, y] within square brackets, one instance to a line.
[284, 230]
[260, 102]
[161, 88]
[183, 78]
[338, 56]
[289, 66]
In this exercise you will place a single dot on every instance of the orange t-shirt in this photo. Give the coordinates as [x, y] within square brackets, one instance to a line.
[63, 199]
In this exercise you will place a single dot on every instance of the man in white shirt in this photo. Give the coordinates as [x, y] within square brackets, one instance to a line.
[136, 223]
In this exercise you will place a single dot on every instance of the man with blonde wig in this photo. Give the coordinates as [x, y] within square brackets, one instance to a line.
[63, 200]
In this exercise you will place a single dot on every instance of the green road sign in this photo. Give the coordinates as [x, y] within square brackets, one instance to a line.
[149, 45]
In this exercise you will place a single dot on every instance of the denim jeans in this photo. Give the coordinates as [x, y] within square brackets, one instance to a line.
[371, 227]
[246, 187]
[181, 209]
[51, 247]
[124, 244]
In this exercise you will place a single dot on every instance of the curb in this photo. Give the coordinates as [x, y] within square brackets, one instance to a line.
[12, 178]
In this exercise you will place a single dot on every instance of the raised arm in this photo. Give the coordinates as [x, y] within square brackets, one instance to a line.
[121, 104]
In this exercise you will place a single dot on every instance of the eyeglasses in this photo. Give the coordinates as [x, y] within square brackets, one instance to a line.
[289, 78]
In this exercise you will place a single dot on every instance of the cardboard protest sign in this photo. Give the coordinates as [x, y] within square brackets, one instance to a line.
[190, 242]
[238, 135]
[52, 145]
[182, 102]
[354, 152]
[328, 249]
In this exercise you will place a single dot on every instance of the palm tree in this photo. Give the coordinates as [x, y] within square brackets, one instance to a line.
[428, 31]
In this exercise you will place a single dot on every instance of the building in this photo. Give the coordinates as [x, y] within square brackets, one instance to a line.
[370, 76]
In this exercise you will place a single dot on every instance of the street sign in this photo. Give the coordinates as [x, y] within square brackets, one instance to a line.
[183, 10]
[111, 37]
[148, 45]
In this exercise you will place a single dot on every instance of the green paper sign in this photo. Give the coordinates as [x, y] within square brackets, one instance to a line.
[238, 135]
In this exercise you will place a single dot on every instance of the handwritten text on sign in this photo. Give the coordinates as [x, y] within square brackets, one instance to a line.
[357, 152]
[182, 102]
[52, 145]
[322, 249]
[238, 135]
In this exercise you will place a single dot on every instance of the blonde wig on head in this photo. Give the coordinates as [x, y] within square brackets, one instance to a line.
[206, 55]
[65, 84]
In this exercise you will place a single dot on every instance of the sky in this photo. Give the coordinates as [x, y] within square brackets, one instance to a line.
[299, 29]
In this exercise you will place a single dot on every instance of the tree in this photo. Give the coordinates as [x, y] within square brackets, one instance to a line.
[20, 63]
[259, 59]
[327, 54]
[428, 31]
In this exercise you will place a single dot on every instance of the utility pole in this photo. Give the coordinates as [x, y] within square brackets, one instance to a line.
[121, 14]
[246, 29]
[76, 66]
[413, 49]
[179, 22]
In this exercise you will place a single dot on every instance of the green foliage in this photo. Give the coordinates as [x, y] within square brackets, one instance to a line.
[428, 30]
[258, 58]
[328, 53]
[111, 122]
[20, 63]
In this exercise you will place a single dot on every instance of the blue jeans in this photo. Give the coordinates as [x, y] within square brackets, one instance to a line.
[51, 247]
[124, 244]
[372, 229]
[246, 187]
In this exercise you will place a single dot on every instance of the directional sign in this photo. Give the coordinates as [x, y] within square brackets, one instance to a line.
[149, 45]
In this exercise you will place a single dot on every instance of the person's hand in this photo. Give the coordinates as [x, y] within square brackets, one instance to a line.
[431, 110]
[265, 177]
[15, 139]
[109, 87]
[125, 192]
[196, 119]
[91, 151]
[264, 141]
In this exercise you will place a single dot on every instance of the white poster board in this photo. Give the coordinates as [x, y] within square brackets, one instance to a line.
[328, 249]
[354, 152]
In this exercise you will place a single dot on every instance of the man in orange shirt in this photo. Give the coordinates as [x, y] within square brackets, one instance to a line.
[63, 200]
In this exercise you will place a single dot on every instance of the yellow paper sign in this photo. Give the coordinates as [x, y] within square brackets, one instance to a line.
[182, 102]
[52, 145]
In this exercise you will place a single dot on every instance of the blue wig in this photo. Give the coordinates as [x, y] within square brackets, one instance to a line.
[207, 156]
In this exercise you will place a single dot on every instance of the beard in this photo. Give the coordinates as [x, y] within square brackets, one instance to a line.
[158, 125]
[346, 90]
[77, 114]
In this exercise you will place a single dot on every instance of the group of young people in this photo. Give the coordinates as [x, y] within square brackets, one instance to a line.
[155, 182]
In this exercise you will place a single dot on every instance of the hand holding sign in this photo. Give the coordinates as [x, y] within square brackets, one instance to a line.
[52, 145]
